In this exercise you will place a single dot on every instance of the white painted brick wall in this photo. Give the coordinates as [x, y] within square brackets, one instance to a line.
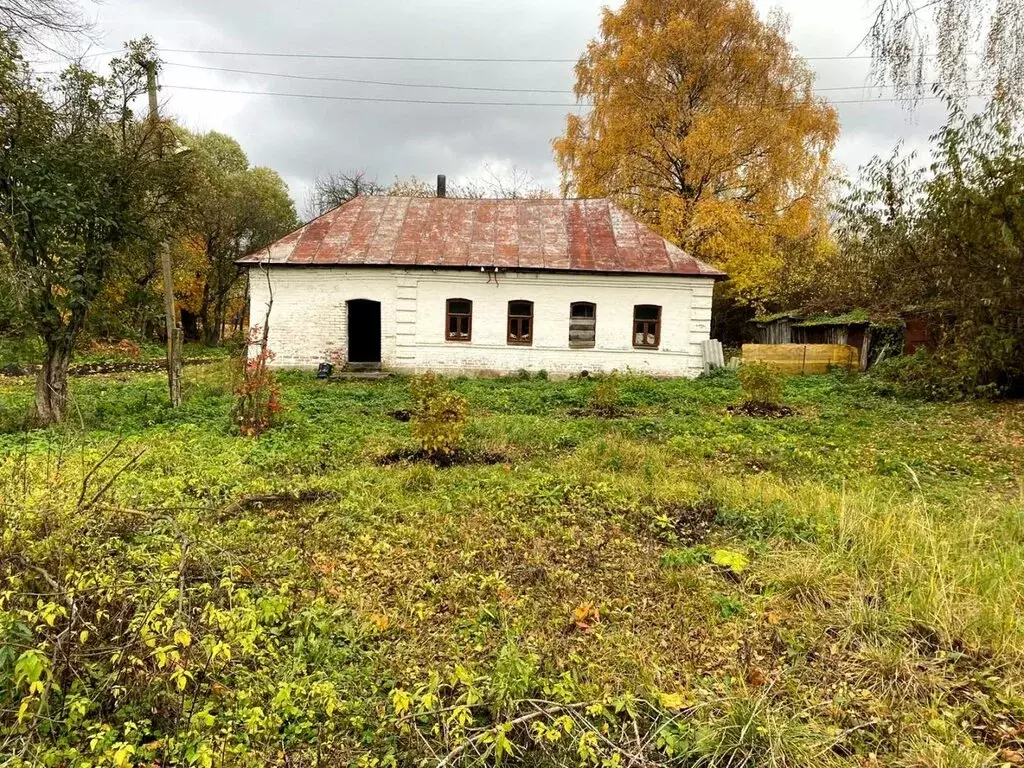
[308, 323]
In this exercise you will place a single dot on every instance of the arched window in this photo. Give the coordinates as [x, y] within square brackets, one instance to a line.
[646, 325]
[582, 325]
[458, 321]
[520, 322]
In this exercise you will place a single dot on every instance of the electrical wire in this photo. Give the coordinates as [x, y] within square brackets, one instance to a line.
[384, 100]
[329, 97]
[394, 84]
[454, 59]
[328, 79]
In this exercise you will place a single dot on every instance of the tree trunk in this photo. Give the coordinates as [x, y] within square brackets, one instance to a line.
[211, 337]
[190, 325]
[52, 382]
[204, 312]
[220, 311]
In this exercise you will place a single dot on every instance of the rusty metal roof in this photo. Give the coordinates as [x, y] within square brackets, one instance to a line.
[562, 235]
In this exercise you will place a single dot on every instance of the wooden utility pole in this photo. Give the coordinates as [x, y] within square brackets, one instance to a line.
[175, 336]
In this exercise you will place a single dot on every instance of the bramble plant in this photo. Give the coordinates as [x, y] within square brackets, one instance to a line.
[257, 395]
[438, 416]
[761, 383]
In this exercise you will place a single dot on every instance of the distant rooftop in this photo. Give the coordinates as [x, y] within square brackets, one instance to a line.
[560, 235]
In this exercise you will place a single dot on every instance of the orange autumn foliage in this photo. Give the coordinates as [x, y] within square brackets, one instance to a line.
[189, 258]
[705, 125]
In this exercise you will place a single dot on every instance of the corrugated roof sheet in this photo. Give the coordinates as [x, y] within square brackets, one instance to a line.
[574, 235]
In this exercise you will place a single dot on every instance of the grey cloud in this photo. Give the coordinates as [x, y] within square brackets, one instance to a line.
[300, 137]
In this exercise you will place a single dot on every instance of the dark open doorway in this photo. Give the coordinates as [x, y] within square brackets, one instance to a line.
[363, 331]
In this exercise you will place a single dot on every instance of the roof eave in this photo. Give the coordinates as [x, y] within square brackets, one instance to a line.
[246, 262]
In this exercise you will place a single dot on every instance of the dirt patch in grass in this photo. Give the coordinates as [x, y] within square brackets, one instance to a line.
[105, 367]
[459, 458]
[589, 412]
[691, 523]
[762, 410]
[284, 501]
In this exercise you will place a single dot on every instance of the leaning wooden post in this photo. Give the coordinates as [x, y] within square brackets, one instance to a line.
[175, 335]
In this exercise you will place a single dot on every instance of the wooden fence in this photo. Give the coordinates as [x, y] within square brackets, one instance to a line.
[804, 358]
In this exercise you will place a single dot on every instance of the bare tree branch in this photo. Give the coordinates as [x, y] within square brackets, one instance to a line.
[35, 20]
[955, 42]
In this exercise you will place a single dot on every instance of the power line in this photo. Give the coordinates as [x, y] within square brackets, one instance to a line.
[355, 57]
[455, 59]
[364, 82]
[379, 99]
[470, 60]
[68, 57]
[442, 86]
[385, 100]
[473, 88]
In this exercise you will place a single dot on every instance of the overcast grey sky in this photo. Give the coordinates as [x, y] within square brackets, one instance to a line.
[300, 137]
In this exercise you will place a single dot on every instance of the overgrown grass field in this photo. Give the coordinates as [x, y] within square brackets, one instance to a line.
[675, 586]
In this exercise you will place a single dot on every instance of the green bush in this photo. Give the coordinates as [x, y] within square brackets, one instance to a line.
[927, 376]
[761, 383]
[607, 395]
[438, 416]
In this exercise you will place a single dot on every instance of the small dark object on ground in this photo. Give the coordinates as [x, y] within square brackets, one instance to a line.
[401, 415]
[324, 371]
[762, 410]
[442, 460]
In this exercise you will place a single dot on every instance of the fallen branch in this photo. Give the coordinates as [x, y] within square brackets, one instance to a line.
[474, 740]
[106, 486]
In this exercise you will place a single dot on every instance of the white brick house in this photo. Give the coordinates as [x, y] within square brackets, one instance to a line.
[483, 287]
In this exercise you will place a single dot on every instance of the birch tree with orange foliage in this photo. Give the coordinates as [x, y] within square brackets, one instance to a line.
[705, 125]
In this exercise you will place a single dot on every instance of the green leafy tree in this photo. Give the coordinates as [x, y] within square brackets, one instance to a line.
[236, 209]
[947, 241]
[82, 186]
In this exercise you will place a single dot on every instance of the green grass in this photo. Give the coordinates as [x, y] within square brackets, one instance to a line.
[289, 599]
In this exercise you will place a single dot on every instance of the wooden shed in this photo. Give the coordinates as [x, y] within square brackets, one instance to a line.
[854, 329]
[774, 329]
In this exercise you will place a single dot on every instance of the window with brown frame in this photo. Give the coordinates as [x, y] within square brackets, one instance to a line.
[520, 322]
[646, 325]
[582, 325]
[458, 322]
